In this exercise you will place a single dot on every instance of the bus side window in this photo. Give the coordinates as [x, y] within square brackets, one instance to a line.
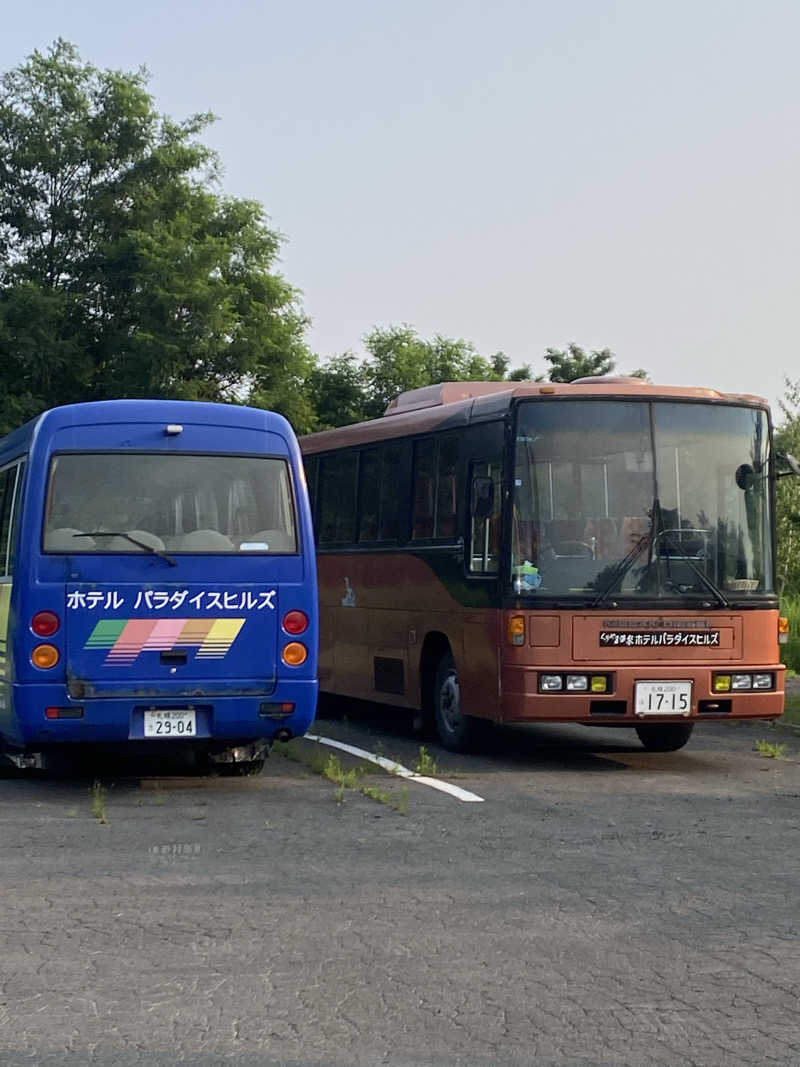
[16, 511]
[337, 499]
[7, 480]
[484, 554]
[368, 495]
[435, 488]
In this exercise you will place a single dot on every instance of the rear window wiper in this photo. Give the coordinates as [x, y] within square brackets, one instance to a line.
[133, 540]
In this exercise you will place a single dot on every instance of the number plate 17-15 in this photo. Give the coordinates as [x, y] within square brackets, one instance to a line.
[170, 723]
[663, 698]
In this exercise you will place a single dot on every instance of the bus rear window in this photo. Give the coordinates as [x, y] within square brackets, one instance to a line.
[137, 502]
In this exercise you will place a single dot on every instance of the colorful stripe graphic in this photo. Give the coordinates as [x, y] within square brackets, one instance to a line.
[127, 638]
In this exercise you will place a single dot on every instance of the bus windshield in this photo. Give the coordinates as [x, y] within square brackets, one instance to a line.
[641, 499]
[138, 502]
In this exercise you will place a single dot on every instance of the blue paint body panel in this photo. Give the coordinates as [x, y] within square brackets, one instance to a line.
[137, 632]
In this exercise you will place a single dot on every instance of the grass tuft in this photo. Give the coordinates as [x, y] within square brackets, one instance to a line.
[98, 795]
[770, 750]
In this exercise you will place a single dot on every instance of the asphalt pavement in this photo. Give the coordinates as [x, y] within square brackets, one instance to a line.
[601, 905]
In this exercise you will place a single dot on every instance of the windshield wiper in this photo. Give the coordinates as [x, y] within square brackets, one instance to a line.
[712, 587]
[623, 567]
[133, 540]
[656, 533]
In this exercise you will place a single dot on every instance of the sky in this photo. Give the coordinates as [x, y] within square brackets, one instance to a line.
[618, 173]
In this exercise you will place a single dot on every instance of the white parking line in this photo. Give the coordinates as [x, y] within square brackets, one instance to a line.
[398, 769]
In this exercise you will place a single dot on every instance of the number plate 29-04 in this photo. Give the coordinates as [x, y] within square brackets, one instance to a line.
[663, 698]
[176, 722]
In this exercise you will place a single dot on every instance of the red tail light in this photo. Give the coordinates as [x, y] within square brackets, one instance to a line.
[45, 623]
[295, 622]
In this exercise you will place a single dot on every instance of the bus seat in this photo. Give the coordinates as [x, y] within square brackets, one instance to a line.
[64, 540]
[602, 535]
[275, 540]
[204, 541]
[634, 527]
[122, 544]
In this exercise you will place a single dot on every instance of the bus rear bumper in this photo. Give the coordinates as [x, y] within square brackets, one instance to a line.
[524, 702]
[104, 721]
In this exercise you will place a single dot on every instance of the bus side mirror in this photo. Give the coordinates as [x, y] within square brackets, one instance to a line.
[789, 461]
[482, 503]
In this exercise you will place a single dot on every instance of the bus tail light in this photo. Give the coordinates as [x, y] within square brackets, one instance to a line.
[45, 656]
[294, 654]
[45, 623]
[516, 630]
[295, 622]
[783, 630]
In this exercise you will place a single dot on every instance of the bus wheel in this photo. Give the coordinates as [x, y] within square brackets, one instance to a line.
[664, 736]
[457, 731]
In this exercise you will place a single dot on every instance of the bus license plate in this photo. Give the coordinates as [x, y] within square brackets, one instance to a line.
[172, 723]
[663, 698]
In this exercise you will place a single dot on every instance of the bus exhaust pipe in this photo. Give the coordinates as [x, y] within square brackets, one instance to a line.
[284, 734]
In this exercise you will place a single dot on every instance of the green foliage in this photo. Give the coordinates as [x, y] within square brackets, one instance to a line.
[346, 389]
[567, 364]
[770, 750]
[787, 439]
[123, 272]
[426, 764]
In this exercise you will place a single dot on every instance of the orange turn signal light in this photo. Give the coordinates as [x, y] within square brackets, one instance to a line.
[45, 656]
[515, 629]
[295, 653]
[783, 630]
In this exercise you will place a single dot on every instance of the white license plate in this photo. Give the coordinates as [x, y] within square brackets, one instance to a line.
[663, 698]
[174, 723]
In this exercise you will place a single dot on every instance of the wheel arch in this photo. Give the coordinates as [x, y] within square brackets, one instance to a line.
[435, 645]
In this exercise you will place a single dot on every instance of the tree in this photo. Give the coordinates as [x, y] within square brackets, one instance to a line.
[787, 439]
[574, 362]
[123, 271]
[346, 389]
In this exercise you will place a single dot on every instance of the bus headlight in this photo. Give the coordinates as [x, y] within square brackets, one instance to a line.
[550, 683]
[577, 683]
[741, 681]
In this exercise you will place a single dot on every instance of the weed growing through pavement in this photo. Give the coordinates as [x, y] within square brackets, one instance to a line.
[98, 794]
[330, 766]
[770, 750]
[426, 764]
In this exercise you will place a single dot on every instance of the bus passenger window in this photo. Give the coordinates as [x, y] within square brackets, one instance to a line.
[7, 480]
[337, 499]
[391, 509]
[435, 488]
[368, 495]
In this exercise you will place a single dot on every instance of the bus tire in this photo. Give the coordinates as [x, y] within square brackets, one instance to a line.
[457, 731]
[664, 736]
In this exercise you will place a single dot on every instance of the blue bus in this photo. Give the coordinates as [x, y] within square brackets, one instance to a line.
[157, 582]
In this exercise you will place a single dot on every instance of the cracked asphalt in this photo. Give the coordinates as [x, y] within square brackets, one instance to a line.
[602, 906]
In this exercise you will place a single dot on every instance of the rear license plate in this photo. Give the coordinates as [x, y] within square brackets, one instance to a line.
[177, 722]
[663, 698]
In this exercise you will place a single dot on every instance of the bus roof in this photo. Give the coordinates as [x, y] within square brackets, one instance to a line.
[117, 412]
[451, 404]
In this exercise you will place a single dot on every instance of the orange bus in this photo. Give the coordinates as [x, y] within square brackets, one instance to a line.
[601, 552]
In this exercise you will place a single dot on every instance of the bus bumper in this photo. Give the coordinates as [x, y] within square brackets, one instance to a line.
[523, 700]
[102, 720]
